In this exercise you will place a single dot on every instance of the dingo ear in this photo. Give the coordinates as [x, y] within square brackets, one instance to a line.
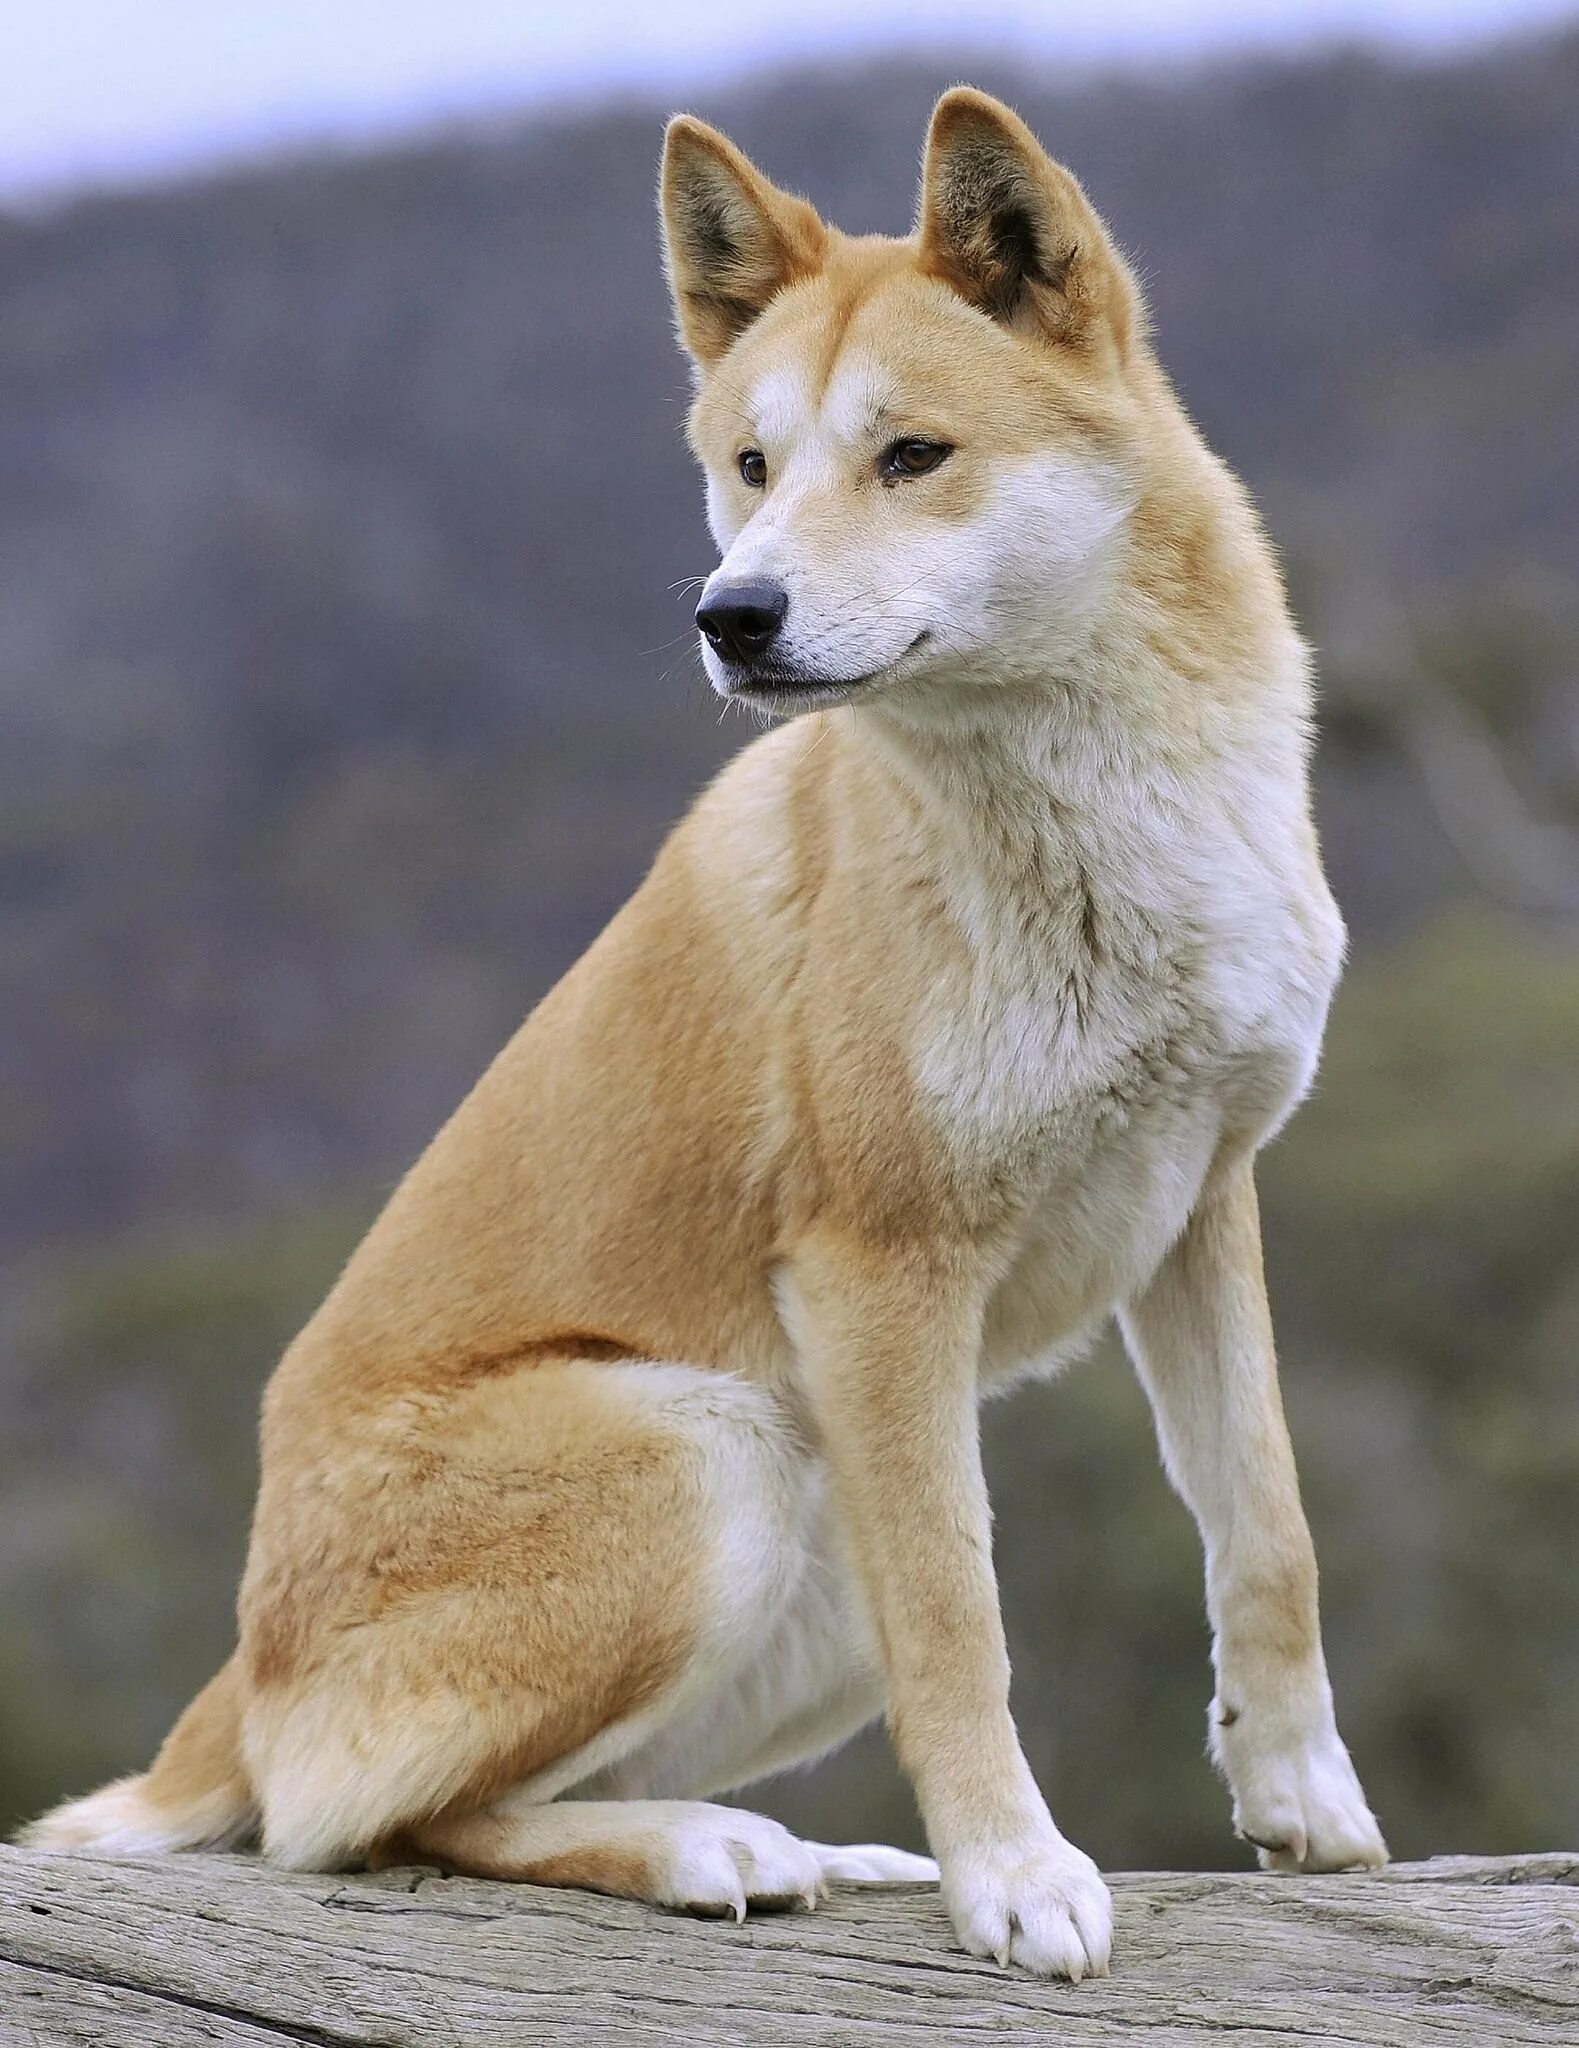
[731, 239]
[1011, 231]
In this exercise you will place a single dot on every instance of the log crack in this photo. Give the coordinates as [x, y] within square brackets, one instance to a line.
[312, 2037]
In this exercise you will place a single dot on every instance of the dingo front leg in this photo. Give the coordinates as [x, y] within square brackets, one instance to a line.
[889, 1342]
[1201, 1339]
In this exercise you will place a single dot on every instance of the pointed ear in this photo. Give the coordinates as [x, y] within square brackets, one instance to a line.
[1012, 232]
[731, 239]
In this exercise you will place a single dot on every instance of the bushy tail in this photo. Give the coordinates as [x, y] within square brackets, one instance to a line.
[195, 1795]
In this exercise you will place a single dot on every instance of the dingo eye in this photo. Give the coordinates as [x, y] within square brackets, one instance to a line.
[913, 457]
[754, 467]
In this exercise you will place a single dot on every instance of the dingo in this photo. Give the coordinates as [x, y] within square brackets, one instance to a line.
[635, 1455]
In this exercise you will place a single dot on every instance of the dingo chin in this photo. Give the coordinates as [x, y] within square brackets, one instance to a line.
[635, 1452]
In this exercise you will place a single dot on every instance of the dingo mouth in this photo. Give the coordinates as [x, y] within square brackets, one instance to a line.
[778, 687]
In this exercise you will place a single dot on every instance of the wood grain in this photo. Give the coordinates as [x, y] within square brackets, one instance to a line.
[1458, 1953]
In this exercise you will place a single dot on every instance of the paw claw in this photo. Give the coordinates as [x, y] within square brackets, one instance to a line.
[1273, 1848]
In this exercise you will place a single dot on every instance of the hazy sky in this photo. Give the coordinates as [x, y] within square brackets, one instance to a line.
[92, 90]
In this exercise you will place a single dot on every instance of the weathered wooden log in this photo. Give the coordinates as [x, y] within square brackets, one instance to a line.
[1464, 1952]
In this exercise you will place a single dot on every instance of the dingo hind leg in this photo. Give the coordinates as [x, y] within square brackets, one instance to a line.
[511, 1589]
[813, 1682]
[606, 1583]
[711, 1860]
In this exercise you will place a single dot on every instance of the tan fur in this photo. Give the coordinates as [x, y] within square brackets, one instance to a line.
[635, 1451]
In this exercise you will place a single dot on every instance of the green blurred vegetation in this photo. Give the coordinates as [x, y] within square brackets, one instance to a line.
[131, 1382]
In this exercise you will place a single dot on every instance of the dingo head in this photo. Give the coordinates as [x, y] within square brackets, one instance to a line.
[919, 453]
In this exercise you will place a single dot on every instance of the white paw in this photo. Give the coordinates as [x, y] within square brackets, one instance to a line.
[873, 1863]
[1300, 1804]
[1042, 1905]
[721, 1861]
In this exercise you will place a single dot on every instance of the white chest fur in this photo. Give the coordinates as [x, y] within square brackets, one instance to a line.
[1142, 968]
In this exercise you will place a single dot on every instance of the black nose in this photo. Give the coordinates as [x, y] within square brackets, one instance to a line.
[741, 621]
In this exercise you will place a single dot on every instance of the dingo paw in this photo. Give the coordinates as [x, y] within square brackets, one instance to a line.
[1041, 1905]
[1300, 1805]
[722, 1861]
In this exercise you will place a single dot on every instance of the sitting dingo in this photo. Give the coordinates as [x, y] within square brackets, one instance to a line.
[634, 1455]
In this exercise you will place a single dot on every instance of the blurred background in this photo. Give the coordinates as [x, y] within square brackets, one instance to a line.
[347, 685]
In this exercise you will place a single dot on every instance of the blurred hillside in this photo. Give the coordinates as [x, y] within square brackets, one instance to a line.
[346, 685]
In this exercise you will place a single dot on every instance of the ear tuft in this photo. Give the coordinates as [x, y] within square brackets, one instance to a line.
[1011, 231]
[731, 238]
